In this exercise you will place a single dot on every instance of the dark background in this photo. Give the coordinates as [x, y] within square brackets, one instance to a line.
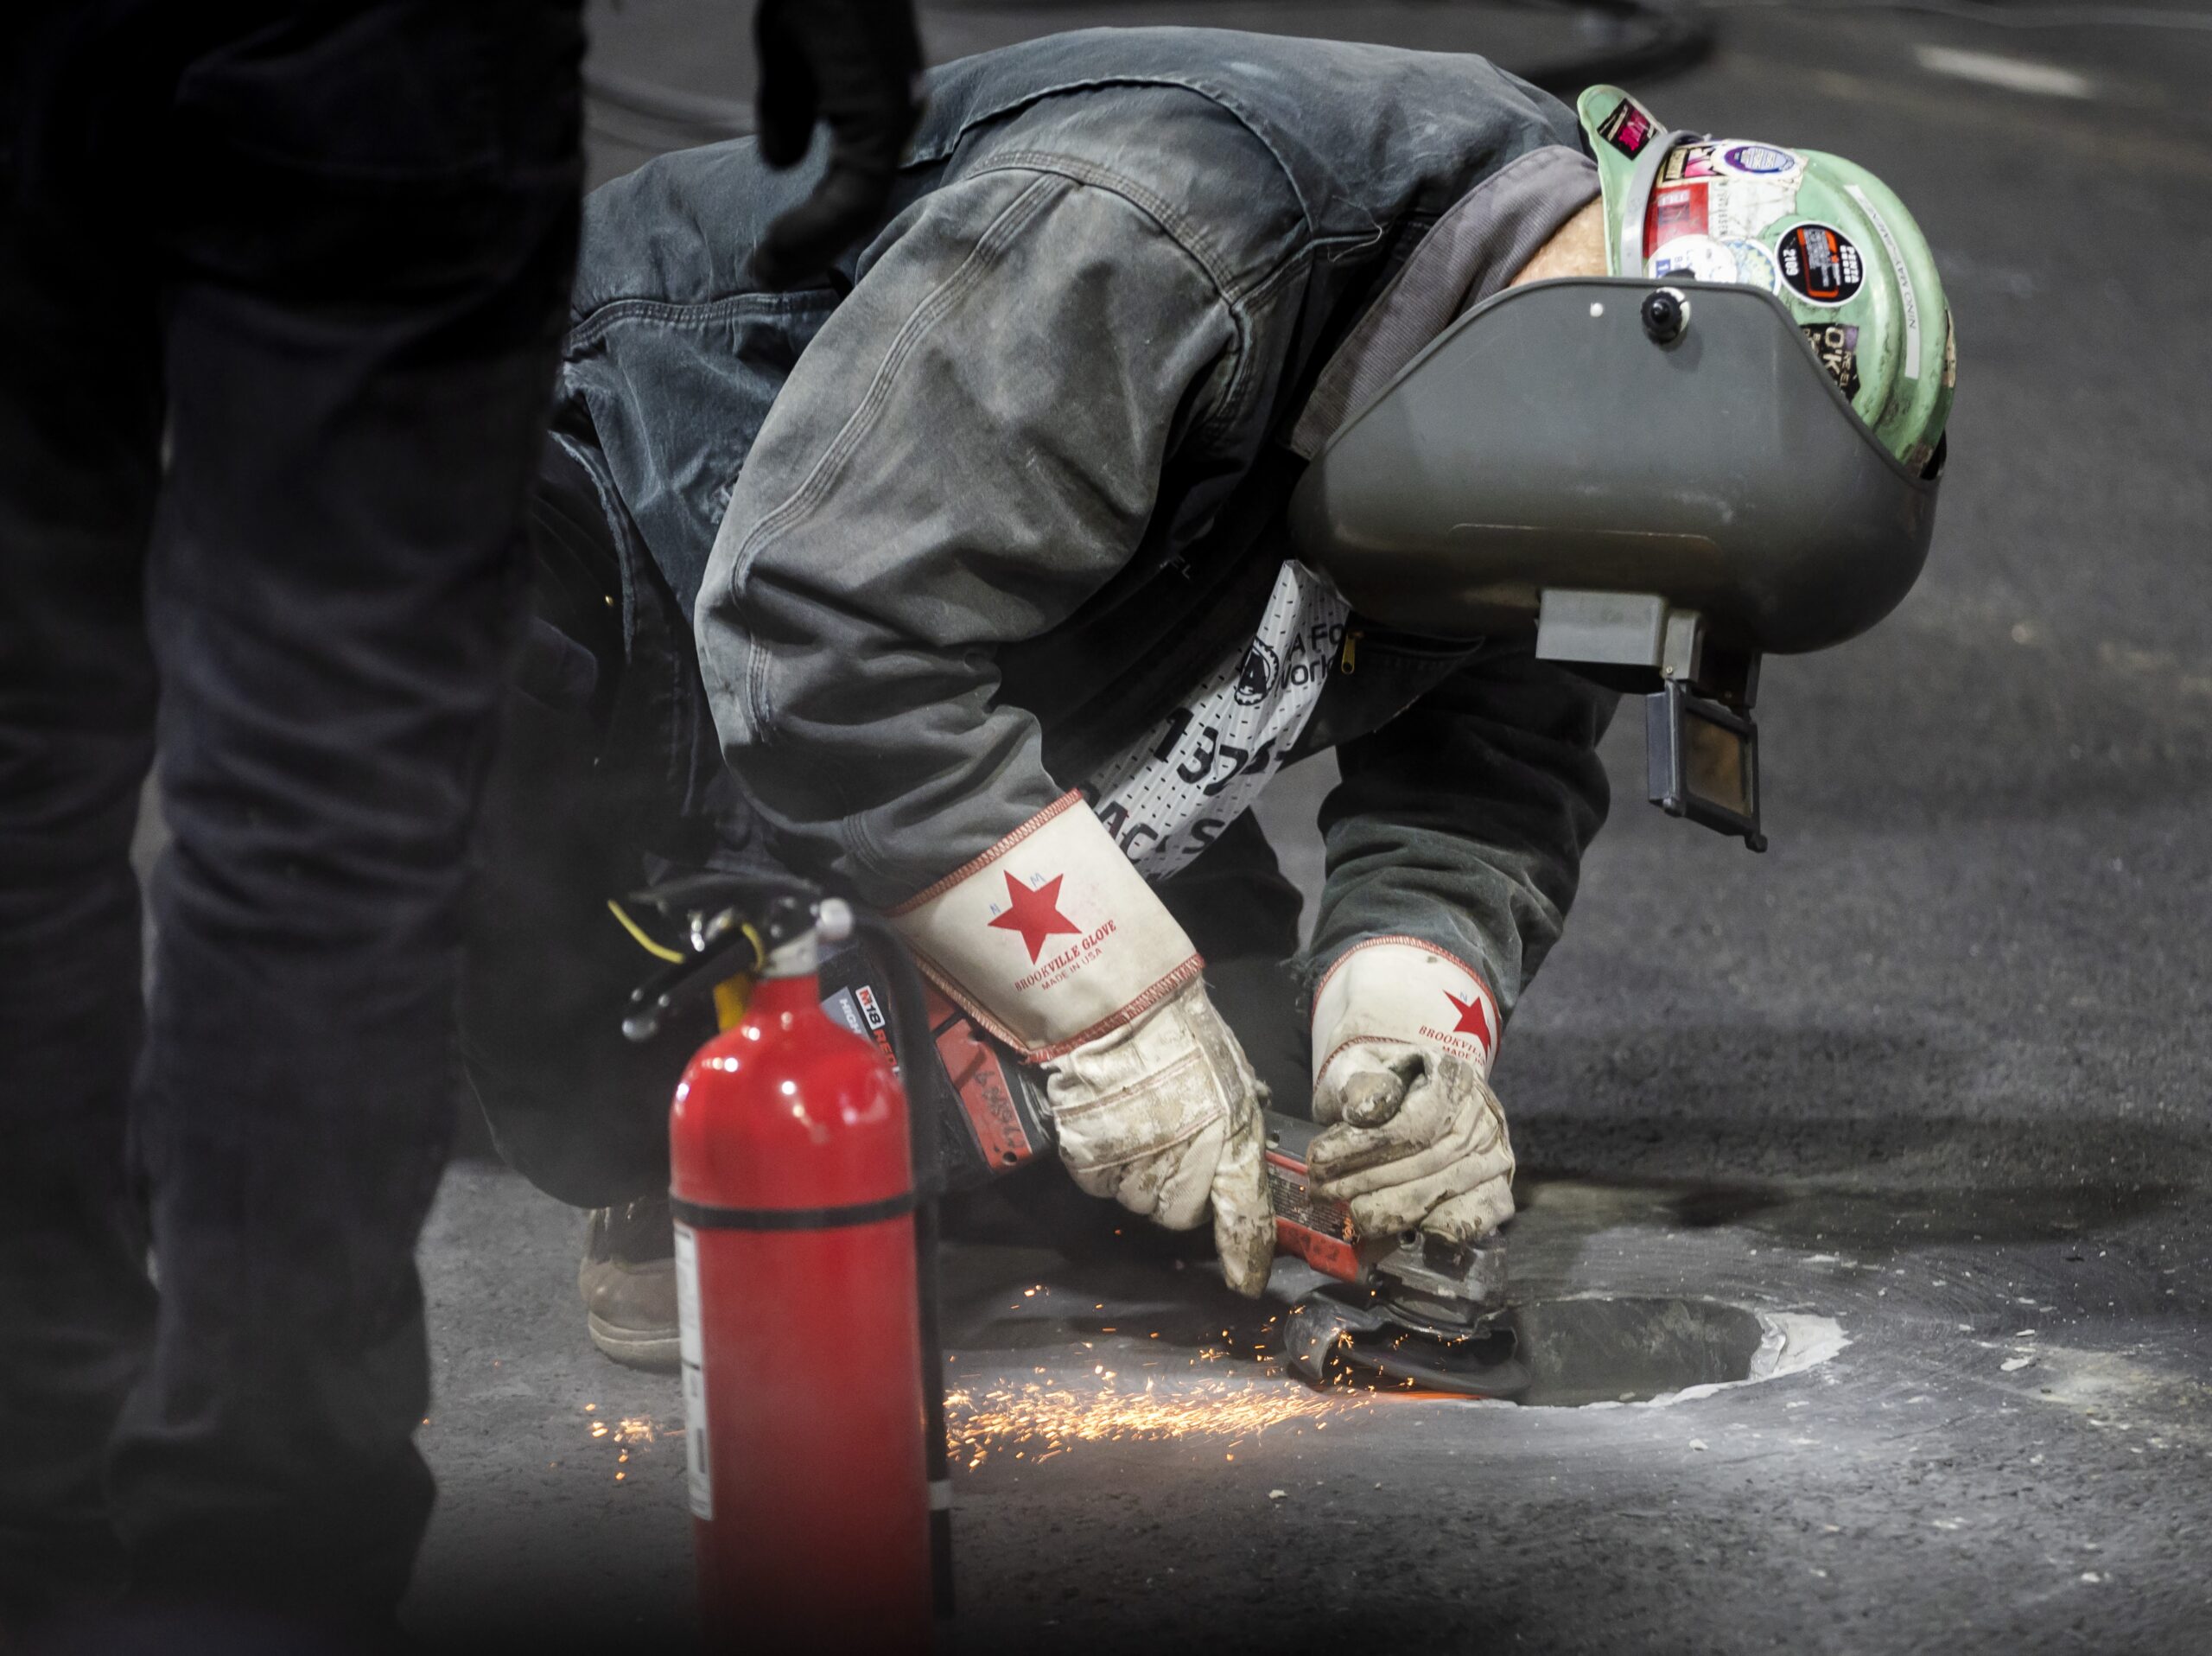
[1934, 1067]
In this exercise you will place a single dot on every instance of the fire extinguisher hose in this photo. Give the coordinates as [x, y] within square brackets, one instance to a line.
[924, 1078]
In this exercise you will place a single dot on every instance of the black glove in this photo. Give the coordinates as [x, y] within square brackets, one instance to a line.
[855, 64]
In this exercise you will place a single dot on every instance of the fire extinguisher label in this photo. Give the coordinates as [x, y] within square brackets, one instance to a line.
[697, 1463]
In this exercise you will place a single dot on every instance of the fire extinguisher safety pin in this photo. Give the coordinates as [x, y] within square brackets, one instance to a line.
[705, 1216]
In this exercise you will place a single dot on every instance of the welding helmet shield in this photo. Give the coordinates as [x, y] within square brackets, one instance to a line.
[1617, 437]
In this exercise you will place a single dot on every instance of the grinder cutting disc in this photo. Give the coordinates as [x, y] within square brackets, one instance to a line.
[1326, 1335]
[1485, 1364]
[1416, 1309]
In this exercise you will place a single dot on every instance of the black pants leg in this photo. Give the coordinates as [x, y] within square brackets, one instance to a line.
[608, 776]
[356, 332]
[78, 440]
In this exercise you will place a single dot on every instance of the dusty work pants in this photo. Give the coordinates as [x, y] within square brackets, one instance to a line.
[280, 291]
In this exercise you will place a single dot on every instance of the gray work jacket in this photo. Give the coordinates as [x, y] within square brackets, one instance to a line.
[973, 513]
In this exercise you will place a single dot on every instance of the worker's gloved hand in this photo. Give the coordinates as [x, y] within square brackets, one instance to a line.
[1162, 1115]
[1414, 1139]
[855, 65]
[1418, 1142]
[1053, 942]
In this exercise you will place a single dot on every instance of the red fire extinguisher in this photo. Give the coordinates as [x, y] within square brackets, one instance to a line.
[806, 1435]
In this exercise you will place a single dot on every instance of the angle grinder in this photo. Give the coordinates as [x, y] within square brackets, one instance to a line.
[1413, 1310]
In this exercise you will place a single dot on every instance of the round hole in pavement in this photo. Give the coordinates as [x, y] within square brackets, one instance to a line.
[1562, 1353]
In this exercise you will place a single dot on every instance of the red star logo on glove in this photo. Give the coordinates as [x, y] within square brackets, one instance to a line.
[1472, 1021]
[1034, 912]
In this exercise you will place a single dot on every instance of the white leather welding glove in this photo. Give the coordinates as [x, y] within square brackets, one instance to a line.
[1414, 1138]
[1054, 943]
[1163, 1115]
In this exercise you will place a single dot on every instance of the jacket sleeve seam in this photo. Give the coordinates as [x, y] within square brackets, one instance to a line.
[1173, 224]
[822, 475]
[1183, 237]
[1172, 221]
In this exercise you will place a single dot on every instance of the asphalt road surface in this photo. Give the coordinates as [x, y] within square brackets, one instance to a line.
[1922, 1091]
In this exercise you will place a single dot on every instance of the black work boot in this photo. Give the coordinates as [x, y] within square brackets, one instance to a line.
[628, 1282]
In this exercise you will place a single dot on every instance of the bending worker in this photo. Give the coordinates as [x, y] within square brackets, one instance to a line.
[998, 627]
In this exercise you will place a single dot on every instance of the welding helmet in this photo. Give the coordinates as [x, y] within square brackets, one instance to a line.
[1731, 445]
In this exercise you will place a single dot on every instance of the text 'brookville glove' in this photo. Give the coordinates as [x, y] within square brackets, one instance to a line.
[1057, 946]
[1403, 1036]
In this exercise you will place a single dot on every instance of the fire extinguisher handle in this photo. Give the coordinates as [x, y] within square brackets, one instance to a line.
[694, 975]
[719, 929]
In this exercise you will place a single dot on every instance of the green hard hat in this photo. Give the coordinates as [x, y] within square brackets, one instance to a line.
[1827, 237]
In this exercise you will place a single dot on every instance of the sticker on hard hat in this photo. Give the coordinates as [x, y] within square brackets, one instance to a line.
[1908, 298]
[1676, 210]
[1628, 129]
[1743, 206]
[1836, 344]
[1758, 159]
[1820, 264]
[1708, 259]
[1687, 161]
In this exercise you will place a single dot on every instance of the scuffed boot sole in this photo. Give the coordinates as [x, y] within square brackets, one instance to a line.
[656, 1349]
